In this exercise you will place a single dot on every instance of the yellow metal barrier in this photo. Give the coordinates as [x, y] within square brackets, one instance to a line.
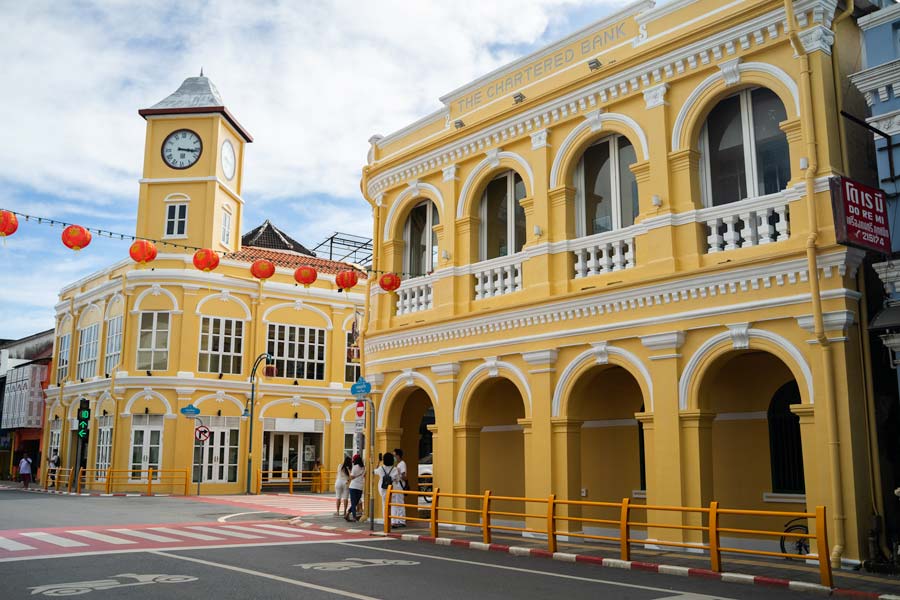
[172, 480]
[624, 524]
[60, 475]
[317, 481]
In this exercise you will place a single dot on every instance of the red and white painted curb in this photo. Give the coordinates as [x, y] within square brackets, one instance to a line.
[614, 563]
[91, 494]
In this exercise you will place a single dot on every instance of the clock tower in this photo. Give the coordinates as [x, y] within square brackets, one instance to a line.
[190, 191]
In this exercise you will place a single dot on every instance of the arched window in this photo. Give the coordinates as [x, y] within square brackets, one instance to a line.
[745, 152]
[420, 253]
[785, 448]
[606, 195]
[502, 235]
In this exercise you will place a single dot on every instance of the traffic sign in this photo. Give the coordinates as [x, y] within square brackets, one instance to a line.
[360, 409]
[361, 387]
[360, 426]
[201, 433]
[190, 411]
[84, 422]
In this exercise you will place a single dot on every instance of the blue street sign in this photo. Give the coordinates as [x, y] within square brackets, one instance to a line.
[361, 387]
[190, 411]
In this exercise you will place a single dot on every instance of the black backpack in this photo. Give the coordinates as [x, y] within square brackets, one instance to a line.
[386, 480]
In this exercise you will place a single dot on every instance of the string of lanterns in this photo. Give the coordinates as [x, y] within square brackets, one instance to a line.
[144, 251]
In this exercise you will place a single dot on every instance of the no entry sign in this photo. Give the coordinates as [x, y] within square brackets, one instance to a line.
[360, 410]
[201, 433]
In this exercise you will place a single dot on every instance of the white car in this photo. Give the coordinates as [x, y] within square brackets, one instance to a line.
[426, 480]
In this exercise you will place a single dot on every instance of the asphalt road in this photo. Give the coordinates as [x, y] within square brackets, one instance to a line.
[316, 566]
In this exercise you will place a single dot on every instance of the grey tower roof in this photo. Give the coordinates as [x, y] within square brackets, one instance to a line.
[195, 95]
[270, 237]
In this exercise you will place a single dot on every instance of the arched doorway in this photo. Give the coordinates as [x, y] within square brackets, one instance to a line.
[408, 427]
[495, 409]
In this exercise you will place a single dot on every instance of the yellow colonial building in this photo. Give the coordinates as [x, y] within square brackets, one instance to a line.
[136, 344]
[620, 271]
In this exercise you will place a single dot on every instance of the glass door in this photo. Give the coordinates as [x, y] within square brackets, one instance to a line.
[216, 458]
[145, 452]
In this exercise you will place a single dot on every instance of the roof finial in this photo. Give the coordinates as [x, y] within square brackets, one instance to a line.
[201, 71]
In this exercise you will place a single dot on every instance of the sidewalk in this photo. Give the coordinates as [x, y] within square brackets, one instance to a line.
[783, 573]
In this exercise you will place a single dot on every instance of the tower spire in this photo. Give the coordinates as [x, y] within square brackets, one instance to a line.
[201, 71]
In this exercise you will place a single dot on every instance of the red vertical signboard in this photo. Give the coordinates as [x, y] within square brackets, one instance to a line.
[860, 215]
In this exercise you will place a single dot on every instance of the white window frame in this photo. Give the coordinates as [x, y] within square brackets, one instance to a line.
[175, 220]
[615, 186]
[88, 346]
[226, 226]
[214, 461]
[62, 358]
[511, 203]
[220, 339]
[284, 359]
[55, 438]
[749, 147]
[430, 257]
[103, 455]
[148, 424]
[352, 370]
[113, 353]
[153, 349]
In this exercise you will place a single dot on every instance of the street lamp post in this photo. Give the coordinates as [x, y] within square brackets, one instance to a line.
[268, 358]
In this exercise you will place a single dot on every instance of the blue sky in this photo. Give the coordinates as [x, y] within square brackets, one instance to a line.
[311, 82]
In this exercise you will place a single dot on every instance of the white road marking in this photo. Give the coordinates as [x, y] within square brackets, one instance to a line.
[188, 534]
[536, 572]
[94, 535]
[252, 512]
[53, 539]
[225, 532]
[265, 532]
[279, 527]
[144, 535]
[13, 545]
[304, 584]
[322, 533]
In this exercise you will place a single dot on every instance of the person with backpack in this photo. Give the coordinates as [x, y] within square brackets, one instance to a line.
[390, 476]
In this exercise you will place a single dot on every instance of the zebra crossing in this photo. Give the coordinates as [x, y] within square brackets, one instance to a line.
[286, 504]
[19, 544]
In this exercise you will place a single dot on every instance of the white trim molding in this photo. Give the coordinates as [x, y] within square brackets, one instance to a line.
[146, 394]
[156, 289]
[490, 161]
[406, 378]
[295, 401]
[493, 367]
[599, 354]
[414, 189]
[298, 305]
[224, 296]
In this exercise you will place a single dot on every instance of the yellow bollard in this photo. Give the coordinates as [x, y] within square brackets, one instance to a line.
[551, 523]
[822, 548]
[434, 512]
[150, 482]
[715, 556]
[387, 509]
[625, 530]
[486, 517]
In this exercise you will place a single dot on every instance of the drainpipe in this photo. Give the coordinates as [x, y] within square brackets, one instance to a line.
[831, 417]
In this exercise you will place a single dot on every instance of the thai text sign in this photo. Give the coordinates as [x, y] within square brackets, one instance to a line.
[860, 215]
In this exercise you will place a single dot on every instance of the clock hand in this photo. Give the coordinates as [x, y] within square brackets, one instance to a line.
[189, 150]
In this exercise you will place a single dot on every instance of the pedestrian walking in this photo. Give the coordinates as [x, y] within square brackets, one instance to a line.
[357, 481]
[341, 487]
[25, 470]
[403, 480]
[52, 466]
[390, 476]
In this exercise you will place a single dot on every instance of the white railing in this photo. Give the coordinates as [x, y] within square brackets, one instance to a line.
[414, 295]
[603, 253]
[747, 223]
[498, 276]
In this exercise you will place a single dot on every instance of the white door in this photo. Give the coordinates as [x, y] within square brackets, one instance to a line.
[217, 457]
[146, 450]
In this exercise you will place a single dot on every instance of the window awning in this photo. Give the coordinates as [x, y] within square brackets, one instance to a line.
[887, 318]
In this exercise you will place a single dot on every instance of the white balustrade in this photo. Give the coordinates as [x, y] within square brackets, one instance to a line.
[603, 253]
[497, 277]
[414, 295]
[747, 223]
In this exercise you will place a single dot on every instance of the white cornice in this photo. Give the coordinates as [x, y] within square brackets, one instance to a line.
[888, 122]
[883, 79]
[879, 17]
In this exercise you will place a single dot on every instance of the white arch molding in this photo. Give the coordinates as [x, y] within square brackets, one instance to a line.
[347, 325]
[784, 78]
[299, 305]
[110, 306]
[595, 355]
[414, 189]
[92, 307]
[405, 379]
[488, 163]
[594, 121]
[220, 397]
[146, 394]
[297, 400]
[156, 290]
[690, 369]
[494, 368]
[225, 296]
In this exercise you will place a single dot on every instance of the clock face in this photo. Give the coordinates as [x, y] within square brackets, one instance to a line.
[182, 149]
[228, 159]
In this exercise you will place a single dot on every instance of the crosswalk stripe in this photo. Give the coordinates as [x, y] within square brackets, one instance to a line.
[254, 530]
[144, 535]
[53, 539]
[100, 537]
[279, 527]
[13, 545]
[220, 531]
[189, 534]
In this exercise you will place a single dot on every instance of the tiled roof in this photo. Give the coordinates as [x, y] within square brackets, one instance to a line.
[194, 92]
[269, 236]
[292, 260]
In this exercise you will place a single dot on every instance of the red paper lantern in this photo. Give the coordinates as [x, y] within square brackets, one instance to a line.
[9, 222]
[389, 282]
[346, 279]
[142, 251]
[76, 237]
[206, 260]
[262, 268]
[306, 275]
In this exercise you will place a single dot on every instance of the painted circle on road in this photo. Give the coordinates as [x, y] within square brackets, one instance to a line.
[201, 433]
